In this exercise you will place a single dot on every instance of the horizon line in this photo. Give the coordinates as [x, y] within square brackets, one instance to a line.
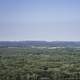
[41, 40]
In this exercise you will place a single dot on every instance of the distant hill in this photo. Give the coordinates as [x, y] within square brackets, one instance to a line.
[39, 43]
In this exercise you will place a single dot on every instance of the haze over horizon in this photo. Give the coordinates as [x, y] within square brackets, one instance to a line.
[45, 20]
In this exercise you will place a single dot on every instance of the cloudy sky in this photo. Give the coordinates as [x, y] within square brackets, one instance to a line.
[52, 20]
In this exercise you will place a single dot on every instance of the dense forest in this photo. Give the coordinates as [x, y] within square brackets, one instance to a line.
[39, 63]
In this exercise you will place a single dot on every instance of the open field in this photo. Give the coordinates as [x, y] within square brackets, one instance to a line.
[39, 64]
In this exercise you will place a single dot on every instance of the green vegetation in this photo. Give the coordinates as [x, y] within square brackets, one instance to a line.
[39, 64]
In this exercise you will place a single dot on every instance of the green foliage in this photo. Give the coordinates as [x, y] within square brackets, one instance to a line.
[35, 64]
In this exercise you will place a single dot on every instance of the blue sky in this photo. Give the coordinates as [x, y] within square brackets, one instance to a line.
[40, 20]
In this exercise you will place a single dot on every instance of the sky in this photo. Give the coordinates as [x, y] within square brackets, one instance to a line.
[50, 20]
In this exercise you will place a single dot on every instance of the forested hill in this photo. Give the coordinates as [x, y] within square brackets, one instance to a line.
[39, 43]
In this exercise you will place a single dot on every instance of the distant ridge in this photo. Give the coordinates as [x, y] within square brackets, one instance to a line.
[40, 43]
